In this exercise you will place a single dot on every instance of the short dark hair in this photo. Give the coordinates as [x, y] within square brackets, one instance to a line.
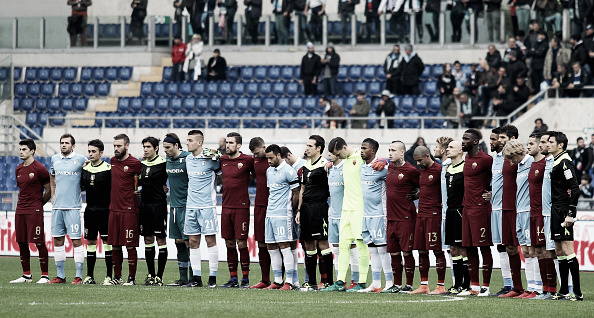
[324, 98]
[474, 133]
[256, 142]
[360, 93]
[72, 141]
[320, 142]
[195, 132]
[336, 143]
[123, 137]
[153, 141]
[217, 51]
[538, 119]
[579, 138]
[535, 135]
[29, 143]
[97, 144]
[274, 148]
[587, 177]
[510, 131]
[576, 37]
[496, 130]
[235, 135]
[372, 142]
[174, 136]
[284, 151]
[560, 138]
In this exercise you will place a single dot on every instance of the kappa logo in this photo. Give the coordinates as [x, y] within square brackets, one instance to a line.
[225, 164]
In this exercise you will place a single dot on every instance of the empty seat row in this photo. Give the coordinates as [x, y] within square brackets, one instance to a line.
[50, 105]
[70, 74]
[90, 89]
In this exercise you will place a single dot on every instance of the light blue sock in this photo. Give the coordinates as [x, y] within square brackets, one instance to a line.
[79, 269]
[376, 275]
[507, 282]
[60, 269]
[306, 279]
[196, 271]
[278, 276]
[289, 274]
[389, 276]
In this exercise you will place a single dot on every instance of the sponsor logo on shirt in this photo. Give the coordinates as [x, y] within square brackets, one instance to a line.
[175, 170]
[198, 173]
[126, 168]
[336, 184]
[66, 173]
[369, 182]
[430, 177]
[536, 172]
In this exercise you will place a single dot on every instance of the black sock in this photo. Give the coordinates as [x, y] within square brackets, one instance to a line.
[466, 273]
[574, 268]
[458, 273]
[162, 261]
[311, 262]
[91, 259]
[328, 258]
[564, 272]
[108, 263]
[149, 255]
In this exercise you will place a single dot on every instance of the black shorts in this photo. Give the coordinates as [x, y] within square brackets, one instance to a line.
[153, 219]
[314, 221]
[453, 227]
[96, 222]
[559, 233]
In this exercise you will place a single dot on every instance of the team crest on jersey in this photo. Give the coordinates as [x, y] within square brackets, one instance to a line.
[400, 176]
[239, 165]
[474, 165]
[31, 175]
[148, 169]
[126, 168]
[430, 177]
[75, 162]
[203, 162]
[181, 160]
[536, 172]
[354, 162]
[92, 177]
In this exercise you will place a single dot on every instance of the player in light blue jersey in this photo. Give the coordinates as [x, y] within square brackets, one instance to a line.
[65, 176]
[373, 184]
[202, 166]
[283, 185]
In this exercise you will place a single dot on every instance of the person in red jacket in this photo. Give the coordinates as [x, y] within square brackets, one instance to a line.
[178, 57]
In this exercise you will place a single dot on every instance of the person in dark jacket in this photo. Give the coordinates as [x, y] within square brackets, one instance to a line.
[371, 18]
[493, 57]
[253, 12]
[216, 69]
[408, 155]
[393, 71]
[537, 56]
[281, 10]
[469, 108]
[196, 9]
[476, 7]
[446, 83]
[493, 18]
[77, 22]
[318, 10]
[515, 67]
[578, 50]
[330, 64]
[387, 107]
[433, 7]
[577, 79]
[456, 18]
[520, 92]
[582, 15]
[582, 157]
[532, 36]
[230, 8]
[540, 127]
[310, 69]
[299, 8]
[346, 9]
[503, 101]
[561, 80]
[512, 46]
[412, 68]
[137, 19]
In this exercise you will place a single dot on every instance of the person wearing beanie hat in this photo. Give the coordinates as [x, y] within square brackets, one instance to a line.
[310, 69]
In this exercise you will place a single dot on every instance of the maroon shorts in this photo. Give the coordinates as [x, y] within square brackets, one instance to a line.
[537, 231]
[123, 229]
[509, 235]
[476, 226]
[235, 223]
[428, 233]
[29, 228]
[259, 221]
[400, 236]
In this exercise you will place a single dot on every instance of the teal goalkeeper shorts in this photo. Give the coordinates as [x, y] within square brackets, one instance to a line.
[177, 219]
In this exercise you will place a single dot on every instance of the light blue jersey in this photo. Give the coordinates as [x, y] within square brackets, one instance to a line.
[444, 188]
[373, 184]
[522, 193]
[202, 177]
[67, 171]
[546, 186]
[281, 180]
[336, 186]
[299, 163]
[497, 182]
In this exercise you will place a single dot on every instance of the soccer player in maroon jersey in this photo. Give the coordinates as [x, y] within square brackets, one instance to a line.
[258, 149]
[428, 225]
[32, 179]
[401, 181]
[123, 209]
[235, 218]
[476, 214]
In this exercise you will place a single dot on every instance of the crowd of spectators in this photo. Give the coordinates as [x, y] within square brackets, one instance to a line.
[187, 57]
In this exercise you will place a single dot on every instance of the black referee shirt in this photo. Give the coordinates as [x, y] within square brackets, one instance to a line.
[563, 178]
[315, 180]
[96, 180]
[153, 177]
[455, 185]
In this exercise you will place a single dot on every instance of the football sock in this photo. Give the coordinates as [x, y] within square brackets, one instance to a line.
[162, 260]
[117, 257]
[529, 272]
[376, 267]
[424, 267]
[183, 261]
[515, 265]
[336, 252]
[397, 268]
[449, 255]
[91, 259]
[288, 263]
[551, 275]
[354, 257]
[386, 265]
[440, 266]
[311, 260]
[543, 273]
[563, 274]
[363, 261]
[574, 269]
[487, 266]
[244, 260]
[264, 260]
[536, 273]
[556, 262]
[322, 266]
[149, 255]
[458, 276]
[276, 261]
[232, 260]
[195, 259]
[213, 260]
[505, 269]
[473, 267]
[79, 260]
[327, 259]
[25, 254]
[132, 261]
[409, 268]
[43, 258]
[108, 259]
[466, 279]
[295, 274]
[343, 259]
[60, 259]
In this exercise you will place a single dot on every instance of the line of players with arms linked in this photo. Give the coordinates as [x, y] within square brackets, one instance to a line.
[466, 203]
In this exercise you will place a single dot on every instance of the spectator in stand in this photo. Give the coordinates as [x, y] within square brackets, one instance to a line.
[493, 18]
[408, 155]
[488, 76]
[446, 83]
[372, 18]
[137, 20]
[178, 57]
[476, 7]
[578, 78]
[193, 54]
[515, 67]
[281, 10]
[537, 55]
[210, 6]
[523, 13]
[299, 9]
[532, 36]
[386, 108]
[253, 12]
[493, 57]
[450, 107]
[330, 64]
[582, 158]
[346, 9]
[459, 75]
[549, 11]
[469, 108]
[503, 103]
[178, 14]
[216, 70]
[582, 15]
[228, 11]
[561, 80]
[592, 144]
[456, 18]
[310, 69]
[332, 109]
[393, 71]
[222, 145]
[196, 9]
[318, 9]
[77, 22]
[589, 45]
[586, 192]
[578, 50]
[412, 68]
[512, 45]
[556, 55]
[475, 78]
[416, 10]
[520, 93]
[360, 109]
[540, 127]
[500, 79]
[400, 13]
[432, 9]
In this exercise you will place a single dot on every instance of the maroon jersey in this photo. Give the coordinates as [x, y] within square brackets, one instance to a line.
[477, 179]
[122, 184]
[236, 179]
[260, 167]
[30, 180]
[430, 191]
[401, 181]
[535, 179]
[510, 187]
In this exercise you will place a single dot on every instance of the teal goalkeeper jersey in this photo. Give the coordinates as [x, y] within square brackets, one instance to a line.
[523, 192]
[67, 171]
[336, 186]
[177, 174]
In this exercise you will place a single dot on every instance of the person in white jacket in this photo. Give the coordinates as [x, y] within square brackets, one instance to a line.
[193, 53]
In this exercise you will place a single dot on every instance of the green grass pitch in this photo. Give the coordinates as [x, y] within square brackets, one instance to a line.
[32, 300]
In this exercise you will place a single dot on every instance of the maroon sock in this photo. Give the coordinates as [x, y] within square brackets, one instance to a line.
[552, 274]
[487, 266]
[132, 261]
[515, 265]
[473, 265]
[264, 258]
[244, 257]
[440, 266]
[409, 268]
[322, 267]
[25, 254]
[232, 261]
[424, 266]
[542, 266]
[117, 257]
[397, 269]
[43, 259]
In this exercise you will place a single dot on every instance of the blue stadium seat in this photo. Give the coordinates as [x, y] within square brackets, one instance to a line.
[80, 104]
[171, 89]
[89, 90]
[301, 121]
[103, 89]
[426, 74]
[31, 119]
[179, 120]
[269, 105]
[260, 73]
[198, 89]
[218, 122]
[149, 104]
[56, 74]
[296, 105]
[162, 105]
[247, 73]
[286, 121]
[31, 74]
[254, 105]
[42, 119]
[225, 89]
[212, 89]
[369, 73]
[124, 73]
[64, 90]
[27, 105]
[355, 72]
[396, 99]
[98, 74]
[371, 123]
[412, 123]
[399, 120]
[76, 89]
[282, 105]
[406, 104]
[86, 74]
[188, 105]
[185, 89]
[41, 105]
[278, 89]
[233, 74]
[146, 89]
[43, 74]
[17, 74]
[309, 105]
[438, 123]
[128, 121]
[379, 73]
[201, 105]
[349, 103]
[437, 70]
[123, 104]
[238, 89]
[228, 105]
[34, 89]
[292, 89]
[16, 104]
[286, 73]
[421, 104]
[361, 86]
[111, 74]
[136, 105]
[296, 72]
[20, 90]
[167, 74]
[67, 105]
[215, 104]
[435, 105]
[70, 74]
[274, 73]
[347, 88]
[430, 88]
[242, 104]
[175, 105]
[252, 90]
[158, 89]
[343, 73]
[374, 88]
[4, 73]
[53, 105]
[195, 123]
[265, 89]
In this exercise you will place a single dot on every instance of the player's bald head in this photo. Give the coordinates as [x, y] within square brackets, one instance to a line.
[421, 151]
[455, 144]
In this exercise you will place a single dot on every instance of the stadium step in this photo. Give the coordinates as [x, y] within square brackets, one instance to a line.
[85, 122]
[129, 93]
[166, 61]
[151, 78]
